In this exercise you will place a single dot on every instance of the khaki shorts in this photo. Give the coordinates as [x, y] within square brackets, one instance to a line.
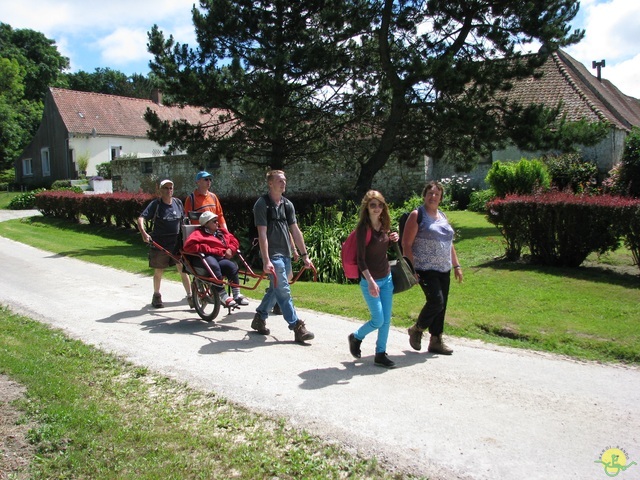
[159, 259]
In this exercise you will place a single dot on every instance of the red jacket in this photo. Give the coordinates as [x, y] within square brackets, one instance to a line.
[202, 240]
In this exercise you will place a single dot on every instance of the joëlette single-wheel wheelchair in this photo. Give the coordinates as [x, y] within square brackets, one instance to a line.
[205, 284]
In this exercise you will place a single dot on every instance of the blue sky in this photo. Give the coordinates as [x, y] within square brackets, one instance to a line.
[113, 33]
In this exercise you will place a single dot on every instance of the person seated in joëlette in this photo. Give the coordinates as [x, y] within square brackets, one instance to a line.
[219, 247]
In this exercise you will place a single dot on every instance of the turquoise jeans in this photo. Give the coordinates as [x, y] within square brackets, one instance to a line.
[380, 308]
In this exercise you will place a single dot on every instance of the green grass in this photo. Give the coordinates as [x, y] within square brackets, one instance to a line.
[588, 313]
[6, 197]
[96, 416]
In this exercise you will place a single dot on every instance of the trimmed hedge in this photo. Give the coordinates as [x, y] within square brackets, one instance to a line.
[120, 209]
[563, 229]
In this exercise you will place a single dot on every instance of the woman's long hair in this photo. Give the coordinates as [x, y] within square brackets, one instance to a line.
[385, 218]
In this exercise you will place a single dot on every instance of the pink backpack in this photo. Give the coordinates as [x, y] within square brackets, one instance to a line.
[350, 255]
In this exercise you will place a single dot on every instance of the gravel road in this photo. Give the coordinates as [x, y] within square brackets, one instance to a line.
[486, 412]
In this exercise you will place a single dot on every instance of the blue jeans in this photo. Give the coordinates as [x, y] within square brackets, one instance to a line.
[380, 308]
[280, 294]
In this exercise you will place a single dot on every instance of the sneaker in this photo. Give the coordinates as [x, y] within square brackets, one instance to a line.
[190, 301]
[156, 301]
[229, 302]
[354, 346]
[276, 310]
[436, 345]
[415, 337]
[260, 325]
[301, 334]
[241, 300]
[381, 359]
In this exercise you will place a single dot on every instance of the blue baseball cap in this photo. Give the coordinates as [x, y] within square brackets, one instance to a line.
[203, 174]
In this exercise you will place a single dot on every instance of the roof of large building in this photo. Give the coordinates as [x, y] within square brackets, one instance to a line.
[82, 112]
[582, 94]
[563, 79]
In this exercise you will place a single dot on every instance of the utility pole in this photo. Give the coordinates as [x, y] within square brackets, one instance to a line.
[599, 65]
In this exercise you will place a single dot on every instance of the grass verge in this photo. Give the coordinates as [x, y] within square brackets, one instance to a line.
[97, 416]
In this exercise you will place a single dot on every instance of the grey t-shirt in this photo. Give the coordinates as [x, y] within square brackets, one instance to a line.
[277, 219]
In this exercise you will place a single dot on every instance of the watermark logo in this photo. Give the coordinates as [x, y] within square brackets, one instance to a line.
[614, 460]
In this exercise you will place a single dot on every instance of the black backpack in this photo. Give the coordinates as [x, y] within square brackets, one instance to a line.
[403, 220]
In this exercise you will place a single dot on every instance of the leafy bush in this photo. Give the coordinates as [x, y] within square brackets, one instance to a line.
[8, 176]
[521, 178]
[631, 231]
[479, 198]
[59, 203]
[570, 171]
[324, 238]
[61, 184]
[611, 184]
[24, 201]
[560, 228]
[123, 208]
[629, 180]
[104, 170]
[457, 191]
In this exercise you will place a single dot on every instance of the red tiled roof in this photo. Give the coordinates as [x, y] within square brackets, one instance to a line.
[583, 95]
[113, 115]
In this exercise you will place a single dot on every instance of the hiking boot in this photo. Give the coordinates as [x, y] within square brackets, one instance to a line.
[415, 337]
[381, 359]
[301, 334]
[276, 310]
[354, 346]
[190, 301]
[436, 345]
[241, 300]
[260, 325]
[156, 301]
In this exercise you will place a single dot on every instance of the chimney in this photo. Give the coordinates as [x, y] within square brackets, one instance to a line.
[599, 66]
[156, 96]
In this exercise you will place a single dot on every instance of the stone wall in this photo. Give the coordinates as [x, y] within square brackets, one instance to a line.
[396, 182]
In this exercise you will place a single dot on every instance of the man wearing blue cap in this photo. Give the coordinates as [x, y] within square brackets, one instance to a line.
[202, 200]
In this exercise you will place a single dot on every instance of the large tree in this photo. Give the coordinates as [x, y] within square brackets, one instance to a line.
[269, 73]
[111, 82]
[371, 79]
[29, 64]
[436, 73]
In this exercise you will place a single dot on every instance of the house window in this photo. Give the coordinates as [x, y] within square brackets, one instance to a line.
[116, 151]
[46, 162]
[26, 167]
[147, 167]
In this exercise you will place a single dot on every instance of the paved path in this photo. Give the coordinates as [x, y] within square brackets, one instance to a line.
[484, 413]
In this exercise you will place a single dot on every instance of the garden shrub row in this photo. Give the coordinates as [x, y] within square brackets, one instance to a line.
[562, 229]
[119, 209]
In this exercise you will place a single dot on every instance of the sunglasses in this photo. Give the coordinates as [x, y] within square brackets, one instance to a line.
[376, 205]
[167, 188]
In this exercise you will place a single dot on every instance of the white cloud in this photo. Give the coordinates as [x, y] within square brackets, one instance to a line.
[611, 30]
[611, 34]
[124, 46]
[625, 75]
[105, 33]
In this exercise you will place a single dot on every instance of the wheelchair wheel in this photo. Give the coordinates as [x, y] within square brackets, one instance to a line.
[206, 299]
